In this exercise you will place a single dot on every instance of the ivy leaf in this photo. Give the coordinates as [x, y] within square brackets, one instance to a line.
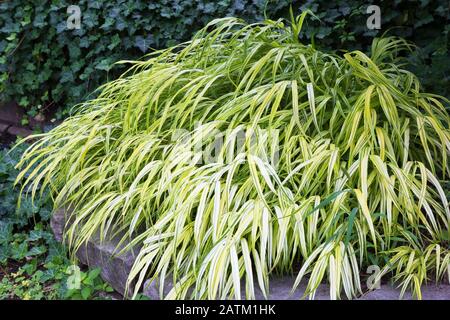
[86, 292]
[114, 42]
[94, 273]
[60, 27]
[104, 64]
[36, 251]
[19, 251]
[144, 43]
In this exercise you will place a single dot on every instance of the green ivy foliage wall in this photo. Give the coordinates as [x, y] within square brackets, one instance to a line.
[44, 66]
[426, 23]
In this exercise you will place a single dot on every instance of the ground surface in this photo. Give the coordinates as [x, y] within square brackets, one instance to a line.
[115, 269]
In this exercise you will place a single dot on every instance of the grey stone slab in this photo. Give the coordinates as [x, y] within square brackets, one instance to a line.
[115, 269]
[19, 131]
[429, 292]
[3, 127]
[279, 289]
[100, 253]
[57, 223]
[11, 113]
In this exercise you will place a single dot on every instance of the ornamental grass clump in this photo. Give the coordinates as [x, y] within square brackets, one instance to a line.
[326, 164]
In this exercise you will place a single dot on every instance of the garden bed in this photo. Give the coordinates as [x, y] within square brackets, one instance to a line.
[324, 162]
